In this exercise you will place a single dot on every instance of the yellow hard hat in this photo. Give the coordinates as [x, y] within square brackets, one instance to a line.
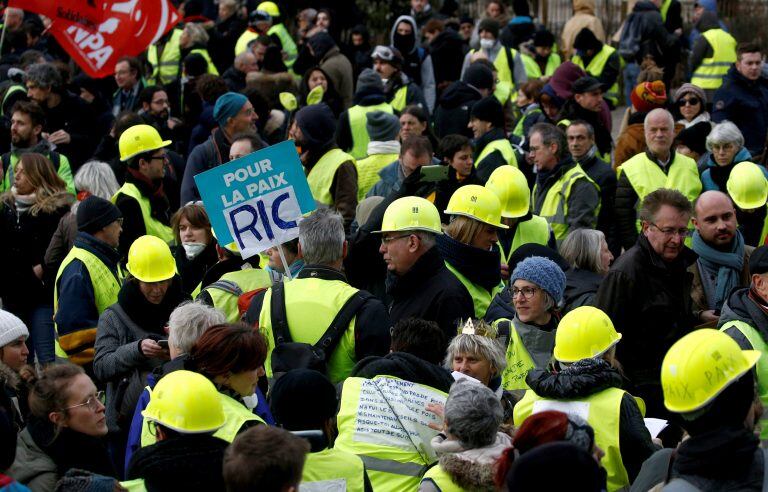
[511, 187]
[584, 333]
[186, 402]
[476, 202]
[411, 213]
[150, 260]
[700, 366]
[138, 139]
[270, 8]
[748, 186]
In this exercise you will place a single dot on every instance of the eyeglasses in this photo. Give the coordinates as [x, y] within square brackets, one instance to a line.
[691, 101]
[387, 240]
[161, 157]
[527, 292]
[93, 402]
[671, 231]
[727, 147]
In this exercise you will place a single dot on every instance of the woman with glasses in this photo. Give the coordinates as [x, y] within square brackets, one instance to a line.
[29, 215]
[65, 431]
[537, 286]
[725, 144]
[690, 105]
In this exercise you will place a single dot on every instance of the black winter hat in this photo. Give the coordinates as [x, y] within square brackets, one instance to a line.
[586, 40]
[758, 261]
[586, 84]
[544, 38]
[489, 109]
[317, 124]
[489, 25]
[95, 213]
[479, 76]
[303, 399]
[695, 137]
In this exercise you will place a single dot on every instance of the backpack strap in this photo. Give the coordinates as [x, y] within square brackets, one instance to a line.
[278, 315]
[6, 163]
[55, 159]
[332, 335]
[227, 286]
[510, 63]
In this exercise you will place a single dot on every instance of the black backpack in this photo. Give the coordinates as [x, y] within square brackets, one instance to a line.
[288, 355]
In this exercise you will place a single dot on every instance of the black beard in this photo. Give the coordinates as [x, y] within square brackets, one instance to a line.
[21, 143]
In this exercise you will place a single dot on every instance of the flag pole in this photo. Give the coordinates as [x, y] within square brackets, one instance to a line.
[286, 266]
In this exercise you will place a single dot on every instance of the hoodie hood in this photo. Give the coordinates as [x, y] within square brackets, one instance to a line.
[645, 6]
[739, 307]
[584, 7]
[580, 379]
[410, 20]
[707, 21]
[407, 367]
[459, 93]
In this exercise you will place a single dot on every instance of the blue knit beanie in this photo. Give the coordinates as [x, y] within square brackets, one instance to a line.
[543, 272]
[227, 106]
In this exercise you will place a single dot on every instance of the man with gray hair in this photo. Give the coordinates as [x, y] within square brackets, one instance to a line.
[68, 124]
[234, 76]
[658, 167]
[304, 309]
[563, 194]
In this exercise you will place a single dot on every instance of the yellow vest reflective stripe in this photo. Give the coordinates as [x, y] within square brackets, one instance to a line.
[602, 411]
[320, 177]
[357, 122]
[520, 126]
[243, 281]
[136, 485]
[646, 176]
[555, 206]
[64, 171]
[372, 421]
[153, 226]
[442, 480]
[368, 171]
[709, 75]
[757, 342]
[399, 101]
[519, 361]
[596, 67]
[503, 146]
[481, 298]
[664, 9]
[534, 230]
[9, 92]
[242, 42]
[204, 53]
[105, 289]
[289, 47]
[166, 69]
[333, 469]
[311, 304]
[533, 70]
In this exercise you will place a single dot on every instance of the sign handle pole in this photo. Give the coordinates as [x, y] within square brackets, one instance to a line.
[286, 266]
[5, 24]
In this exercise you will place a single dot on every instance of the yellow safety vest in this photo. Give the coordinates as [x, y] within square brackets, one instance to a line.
[503, 146]
[664, 9]
[204, 53]
[368, 171]
[757, 342]
[378, 421]
[333, 469]
[503, 92]
[709, 75]
[504, 66]
[602, 411]
[596, 67]
[79, 344]
[519, 361]
[534, 230]
[166, 69]
[320, 177]
[555, 206]
[519, 127]
[442, 480]
[136, 485]
[357, 122]
[646, 176]
[286, 40]
[153, 226]
[481, 298]
[400, 99]
[311, 304]
[242, 42]
[64, 171]
[226, 291]
[533, 70]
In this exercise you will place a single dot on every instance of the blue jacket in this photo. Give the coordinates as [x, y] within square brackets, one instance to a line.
[745, 103]
[390, 179]
[709, 180]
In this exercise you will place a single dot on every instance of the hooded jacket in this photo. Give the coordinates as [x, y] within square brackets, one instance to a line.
[453, 110]
[587, 377]
[417, 63]
[447, 51]
[740, 307]
[583, 17]
[404, 366]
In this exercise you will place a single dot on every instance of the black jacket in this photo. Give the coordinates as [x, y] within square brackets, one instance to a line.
[447, 52]
[580, 288]
[223, 38]
[491, 161]
[133, 220]
[192, 271]
[234, 78]
[430, 291]
[654, 39]
[605, 177]
[73, 116]
[743, 102]
[742, 305]
[649, 302]
[573, 111]
[453, 109]
[501, 306]
[587, 377]
[582, 203]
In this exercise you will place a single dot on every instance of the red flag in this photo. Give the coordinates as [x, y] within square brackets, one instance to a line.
[88, 13]
[128, 28]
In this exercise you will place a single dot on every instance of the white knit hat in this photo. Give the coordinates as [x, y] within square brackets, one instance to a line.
[11, 328]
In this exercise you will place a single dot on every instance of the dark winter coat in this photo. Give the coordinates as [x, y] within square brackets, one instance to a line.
[605, 177]
[453, 109]
[743, 102]
[192, 271]
[133, 220]
[580, 288]
[583, 202]
[72, 115]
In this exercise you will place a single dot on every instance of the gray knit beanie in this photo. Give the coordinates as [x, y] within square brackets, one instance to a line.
[543, 272]
[382, 126]
[369, 81]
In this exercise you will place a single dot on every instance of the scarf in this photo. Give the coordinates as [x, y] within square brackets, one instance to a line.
[588, 156]
[726, 265]
[158, 201]
[70, 449]
[150, 317]
[720, 453]
[481, 267]
[387, 147]
[41, 147]
[23, 202]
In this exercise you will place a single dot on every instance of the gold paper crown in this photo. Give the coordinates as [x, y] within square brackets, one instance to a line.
[477, 327]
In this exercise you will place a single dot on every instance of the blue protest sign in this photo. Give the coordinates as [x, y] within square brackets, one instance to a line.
[256, 201]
